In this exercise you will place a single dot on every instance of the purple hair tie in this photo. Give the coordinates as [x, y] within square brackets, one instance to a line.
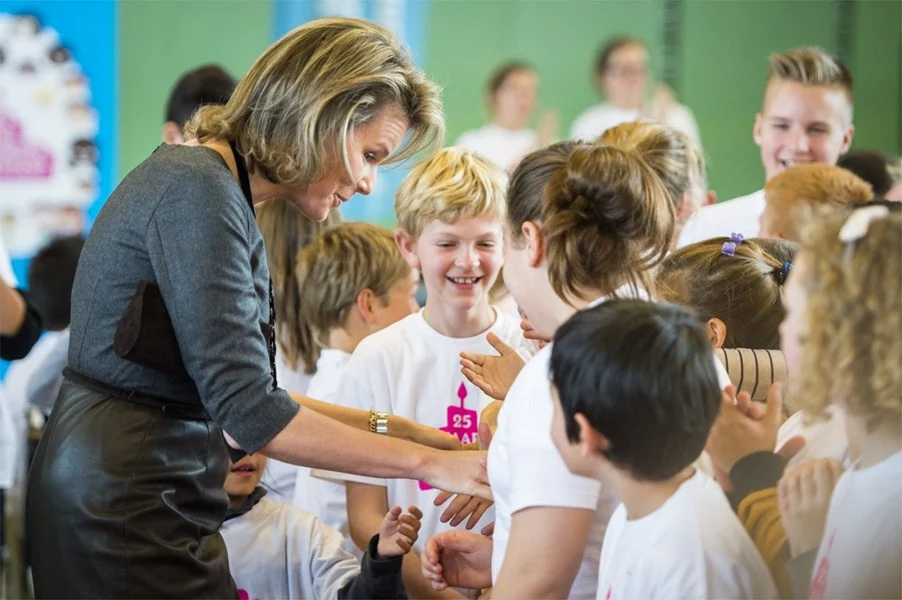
[729, 248]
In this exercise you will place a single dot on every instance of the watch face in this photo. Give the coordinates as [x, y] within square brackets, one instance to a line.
[48, 127]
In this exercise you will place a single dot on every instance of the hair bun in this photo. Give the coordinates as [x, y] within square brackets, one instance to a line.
[603, 185]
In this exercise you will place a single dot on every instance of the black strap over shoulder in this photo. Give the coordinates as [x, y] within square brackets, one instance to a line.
[243, 177]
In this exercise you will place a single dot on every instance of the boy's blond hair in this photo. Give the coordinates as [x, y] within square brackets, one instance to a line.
[452, 184]
[852, 348]
[339, 264]
[811, 66]
[802, 187]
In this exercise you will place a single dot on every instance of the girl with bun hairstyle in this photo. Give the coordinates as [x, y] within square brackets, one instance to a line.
[585, 223]
[674, 156]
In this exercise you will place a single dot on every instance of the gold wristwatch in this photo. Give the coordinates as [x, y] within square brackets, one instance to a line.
[379, 422]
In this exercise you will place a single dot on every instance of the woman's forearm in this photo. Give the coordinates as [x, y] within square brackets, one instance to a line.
[324, 440]
[314, 440]
[398, 427]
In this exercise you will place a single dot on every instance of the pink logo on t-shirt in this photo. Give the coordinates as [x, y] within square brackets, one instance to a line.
[819, 582]
[243, 595]
[608, 595]
[462, 422]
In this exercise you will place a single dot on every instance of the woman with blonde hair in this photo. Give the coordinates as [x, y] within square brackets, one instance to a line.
[172, 357]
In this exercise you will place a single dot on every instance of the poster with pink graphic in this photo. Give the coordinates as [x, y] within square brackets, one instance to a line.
[48, 129]
[461, 421]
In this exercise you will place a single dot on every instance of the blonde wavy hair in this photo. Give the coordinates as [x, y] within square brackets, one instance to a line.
[452, 184]
[340, 263]
[293, 111]
[286, 231]
[852, 350]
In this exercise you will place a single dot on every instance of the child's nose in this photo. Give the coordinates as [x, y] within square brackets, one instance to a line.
[468, 259]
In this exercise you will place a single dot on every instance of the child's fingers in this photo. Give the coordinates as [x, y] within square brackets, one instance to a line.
[393, 513]
[498, 344]
[409, 534]
[412, 522]
[475, 359]
[416, 512]
[468, 363]
[431, 553]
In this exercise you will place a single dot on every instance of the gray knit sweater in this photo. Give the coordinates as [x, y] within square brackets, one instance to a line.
[180, 220]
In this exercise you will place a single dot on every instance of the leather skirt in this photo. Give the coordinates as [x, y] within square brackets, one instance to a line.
[126, 502]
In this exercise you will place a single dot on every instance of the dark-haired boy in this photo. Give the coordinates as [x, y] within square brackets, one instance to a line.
[636, 394]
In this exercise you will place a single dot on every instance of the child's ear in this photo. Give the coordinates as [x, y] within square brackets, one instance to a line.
[408, 248]
[717, 332]
[591, 442]
[172, 133]
[847, 139]
[364, 304]
[756, 129]
[535, 244]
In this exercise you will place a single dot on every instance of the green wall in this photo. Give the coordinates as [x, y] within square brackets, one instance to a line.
[723, 54]
[723, 51]
[160, 40]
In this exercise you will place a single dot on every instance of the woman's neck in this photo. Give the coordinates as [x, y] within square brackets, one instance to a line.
[261, 188]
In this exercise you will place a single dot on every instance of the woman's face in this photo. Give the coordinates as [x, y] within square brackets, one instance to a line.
[368, 145]
[514, 103]
[626, 76]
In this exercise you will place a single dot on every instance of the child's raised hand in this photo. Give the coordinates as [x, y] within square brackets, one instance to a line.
[399, 532]
[739, 430]
[458, 559]
[805, 491]
[492, 374]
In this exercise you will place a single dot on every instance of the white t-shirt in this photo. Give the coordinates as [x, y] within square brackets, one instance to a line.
[861, 553]
[504, 147]
[740, 215]
[824, 438]
[279, 477]
[279, 551]
[526, 470]
[691, 547]
[597, 119]
[410, 370]
[317, 491]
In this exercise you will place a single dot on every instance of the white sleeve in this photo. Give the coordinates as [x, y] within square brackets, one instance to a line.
[329, 565]
[363, 386]
[539, 476]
